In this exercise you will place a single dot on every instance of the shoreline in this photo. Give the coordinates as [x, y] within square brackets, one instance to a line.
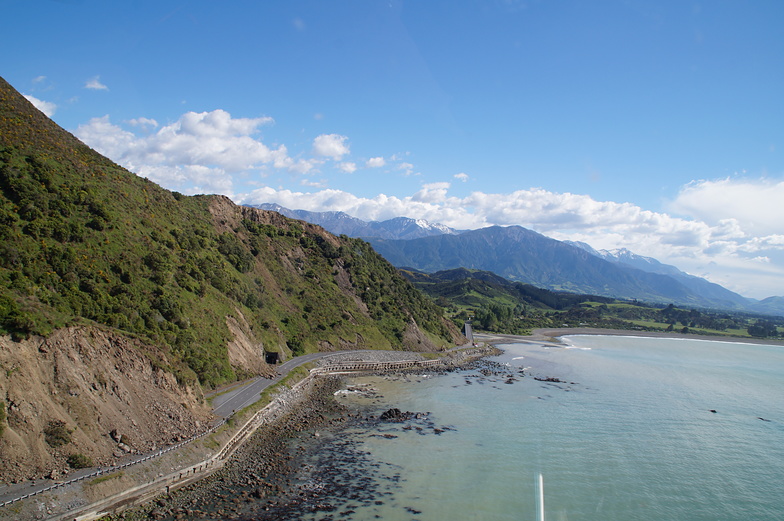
[553, 335]
[293, 486]
[270, 454]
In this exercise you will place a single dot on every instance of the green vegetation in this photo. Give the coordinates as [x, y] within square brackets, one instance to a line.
[501, 306]
[56, 433]
[107, 477]
[292, 378]
[79, 461]
[82, 240]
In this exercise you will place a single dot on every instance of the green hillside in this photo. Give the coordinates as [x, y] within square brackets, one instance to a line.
[84, 240]
[498, 305]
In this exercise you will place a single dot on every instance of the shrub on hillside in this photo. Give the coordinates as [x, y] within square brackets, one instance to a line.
[79, 461]
[56, 433]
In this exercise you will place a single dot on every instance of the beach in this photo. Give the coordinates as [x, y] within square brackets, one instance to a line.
[553, 334]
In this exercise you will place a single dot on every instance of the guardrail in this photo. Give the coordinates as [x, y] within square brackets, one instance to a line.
[358, 366]
[262, 416]
[114, 468]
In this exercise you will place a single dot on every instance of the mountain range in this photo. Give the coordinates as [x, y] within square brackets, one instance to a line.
[341, 223]
[519, 254]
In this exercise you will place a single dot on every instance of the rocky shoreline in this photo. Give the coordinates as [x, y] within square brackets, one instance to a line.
[260, 471]
[272, 476]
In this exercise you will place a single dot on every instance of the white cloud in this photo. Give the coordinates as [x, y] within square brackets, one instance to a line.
[143, 123]
[407, 168]
[726, 230]
[94, 83]
[47, 107]
[375, 162]
[200, 151]
[348, 167]
[756, 204]
[331, 145]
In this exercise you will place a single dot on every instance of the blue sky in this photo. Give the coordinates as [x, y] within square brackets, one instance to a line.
[654, 126]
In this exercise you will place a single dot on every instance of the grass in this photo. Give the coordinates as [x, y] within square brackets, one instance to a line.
[107, 477]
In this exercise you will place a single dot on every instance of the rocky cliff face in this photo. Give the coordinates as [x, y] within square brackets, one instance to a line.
[106, 396]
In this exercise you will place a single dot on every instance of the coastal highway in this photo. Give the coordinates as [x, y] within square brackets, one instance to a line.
[225, 402]
[238, 396]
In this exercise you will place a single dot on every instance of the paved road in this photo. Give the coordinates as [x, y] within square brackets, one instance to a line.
[245, 393]
[235, 398]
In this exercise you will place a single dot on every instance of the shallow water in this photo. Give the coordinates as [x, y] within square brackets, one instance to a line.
[627, 434]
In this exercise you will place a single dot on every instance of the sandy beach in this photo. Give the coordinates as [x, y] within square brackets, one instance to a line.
[553, 335]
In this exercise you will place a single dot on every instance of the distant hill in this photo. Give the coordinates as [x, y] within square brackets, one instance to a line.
[341, 223]
[499, 305]
[519, 254]
[770, 305]
[477, 288]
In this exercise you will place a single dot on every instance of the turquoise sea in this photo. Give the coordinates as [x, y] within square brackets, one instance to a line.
[634, 429]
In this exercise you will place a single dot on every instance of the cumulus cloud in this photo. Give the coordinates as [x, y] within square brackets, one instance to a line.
[143, 123]
[47, 107]
[348, 167]
[94, 83]
[199, 151]
[726, 230]
[755, 204]
[375, 162]
[331, 145]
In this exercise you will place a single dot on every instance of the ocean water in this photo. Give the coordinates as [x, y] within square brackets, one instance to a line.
[627, 433]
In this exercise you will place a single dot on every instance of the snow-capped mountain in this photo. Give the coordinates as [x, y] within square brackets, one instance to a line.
[705, 288]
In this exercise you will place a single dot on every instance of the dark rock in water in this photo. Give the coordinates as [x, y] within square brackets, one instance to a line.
[550, 379]
[396, 415]
[713, 411]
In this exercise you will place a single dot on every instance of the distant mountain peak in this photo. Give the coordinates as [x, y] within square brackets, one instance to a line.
[341, 223]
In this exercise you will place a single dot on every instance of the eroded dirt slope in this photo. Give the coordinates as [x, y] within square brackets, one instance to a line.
[110, 396]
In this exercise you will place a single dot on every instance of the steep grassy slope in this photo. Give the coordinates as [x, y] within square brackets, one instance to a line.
[82, 240]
